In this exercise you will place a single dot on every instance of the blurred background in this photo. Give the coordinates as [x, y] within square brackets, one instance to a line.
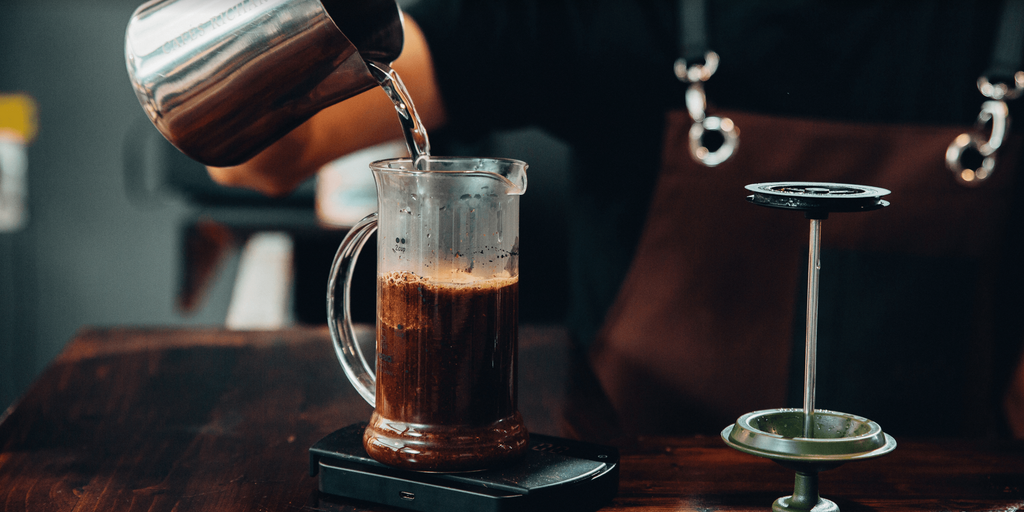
[122, 230]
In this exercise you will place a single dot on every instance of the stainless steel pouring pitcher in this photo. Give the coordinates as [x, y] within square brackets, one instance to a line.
[223, 79]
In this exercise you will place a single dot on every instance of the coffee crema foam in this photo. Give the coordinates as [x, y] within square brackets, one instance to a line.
[397, 314]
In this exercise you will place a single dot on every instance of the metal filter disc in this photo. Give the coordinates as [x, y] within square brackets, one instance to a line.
[817, 197]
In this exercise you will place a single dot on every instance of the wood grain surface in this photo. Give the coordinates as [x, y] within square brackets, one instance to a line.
[176, 420]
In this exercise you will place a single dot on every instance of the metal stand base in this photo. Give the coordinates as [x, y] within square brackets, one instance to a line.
[788, 504]
[835, 438]
[805, 496]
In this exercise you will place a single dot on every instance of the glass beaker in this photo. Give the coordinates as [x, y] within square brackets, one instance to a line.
[445, 387]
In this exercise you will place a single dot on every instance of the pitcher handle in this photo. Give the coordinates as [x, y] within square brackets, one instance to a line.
[358, 371]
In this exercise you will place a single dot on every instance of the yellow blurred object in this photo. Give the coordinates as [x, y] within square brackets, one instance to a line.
[18, 115]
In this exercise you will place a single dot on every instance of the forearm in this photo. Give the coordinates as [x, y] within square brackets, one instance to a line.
[356, 123]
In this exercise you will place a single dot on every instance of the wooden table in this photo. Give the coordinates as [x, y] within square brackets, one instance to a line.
[161, 420]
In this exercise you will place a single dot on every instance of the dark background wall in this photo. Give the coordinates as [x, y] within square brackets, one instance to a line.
[87, 255]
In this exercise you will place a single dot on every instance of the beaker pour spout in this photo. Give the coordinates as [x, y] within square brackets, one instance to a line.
[513, 176]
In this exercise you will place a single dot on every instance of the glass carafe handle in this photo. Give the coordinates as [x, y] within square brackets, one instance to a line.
[339, 318]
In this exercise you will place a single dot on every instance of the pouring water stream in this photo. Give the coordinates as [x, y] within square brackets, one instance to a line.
[415, 134]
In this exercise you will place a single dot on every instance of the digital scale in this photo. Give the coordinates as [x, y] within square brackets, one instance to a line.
[555, 474]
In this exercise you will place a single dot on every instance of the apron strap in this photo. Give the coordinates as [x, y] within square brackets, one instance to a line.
[1009, 45]
[693, 30]
[712, 140]
[1002, 81]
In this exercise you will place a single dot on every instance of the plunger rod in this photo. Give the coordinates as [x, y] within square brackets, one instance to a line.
[810, 352]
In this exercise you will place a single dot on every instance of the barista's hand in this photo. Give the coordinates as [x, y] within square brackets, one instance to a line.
[356, 123]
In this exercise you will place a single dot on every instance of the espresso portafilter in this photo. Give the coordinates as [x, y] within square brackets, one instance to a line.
[224, 79]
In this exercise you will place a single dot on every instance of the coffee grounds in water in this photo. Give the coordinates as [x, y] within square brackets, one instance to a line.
[446, 373]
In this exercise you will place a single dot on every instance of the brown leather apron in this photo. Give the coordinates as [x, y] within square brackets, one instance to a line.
[701, 331]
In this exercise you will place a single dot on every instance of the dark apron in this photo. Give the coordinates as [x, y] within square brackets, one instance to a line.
[916, 307]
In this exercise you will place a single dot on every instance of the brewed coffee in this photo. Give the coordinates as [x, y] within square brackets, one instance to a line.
[446, 373]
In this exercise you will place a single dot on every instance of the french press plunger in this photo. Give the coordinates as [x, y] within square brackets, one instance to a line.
[810, 440]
